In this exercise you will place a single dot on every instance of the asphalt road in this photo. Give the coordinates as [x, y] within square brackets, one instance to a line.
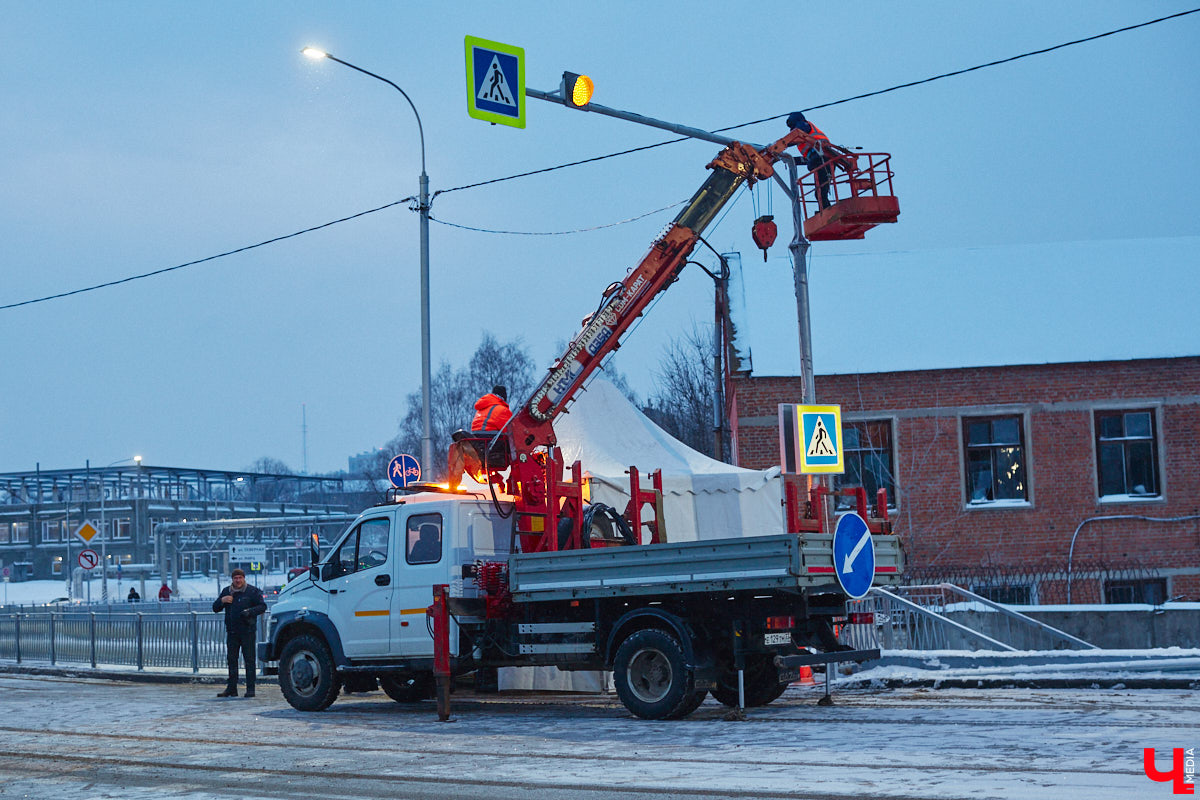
[99, 738]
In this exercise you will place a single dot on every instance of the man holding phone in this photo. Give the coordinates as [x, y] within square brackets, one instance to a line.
[242, 603]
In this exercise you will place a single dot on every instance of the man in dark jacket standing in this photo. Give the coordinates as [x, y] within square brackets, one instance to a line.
[242, 603]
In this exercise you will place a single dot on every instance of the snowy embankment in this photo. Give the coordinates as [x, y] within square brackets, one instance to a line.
[42, 592]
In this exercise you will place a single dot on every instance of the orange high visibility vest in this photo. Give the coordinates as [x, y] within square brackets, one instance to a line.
[817, 134]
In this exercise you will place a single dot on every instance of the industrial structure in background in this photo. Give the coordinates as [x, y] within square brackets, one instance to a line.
[41, 510]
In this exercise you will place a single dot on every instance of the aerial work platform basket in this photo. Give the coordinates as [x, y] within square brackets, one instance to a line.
[860, 196]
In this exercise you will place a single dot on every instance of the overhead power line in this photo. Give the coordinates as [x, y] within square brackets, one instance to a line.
[202, 260]
[865, 95]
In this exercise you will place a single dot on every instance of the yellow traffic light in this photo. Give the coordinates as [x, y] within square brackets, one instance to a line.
[576, 90]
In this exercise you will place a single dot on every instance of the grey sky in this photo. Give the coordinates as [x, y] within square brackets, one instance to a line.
[139, 135]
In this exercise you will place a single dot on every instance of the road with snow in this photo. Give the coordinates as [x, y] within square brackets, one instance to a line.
[90, 737]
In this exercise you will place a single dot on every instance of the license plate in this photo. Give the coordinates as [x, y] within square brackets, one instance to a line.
[777, 638]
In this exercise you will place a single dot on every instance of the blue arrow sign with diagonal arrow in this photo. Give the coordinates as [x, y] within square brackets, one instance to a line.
[853, 555]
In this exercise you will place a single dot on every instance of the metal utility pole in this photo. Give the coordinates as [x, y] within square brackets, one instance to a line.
[423, 208]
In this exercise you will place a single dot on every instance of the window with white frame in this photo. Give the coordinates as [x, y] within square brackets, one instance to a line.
[50, 530]
[1127, 453]
[121, 529]
[5, 532]
[995, 459]
[20, 533]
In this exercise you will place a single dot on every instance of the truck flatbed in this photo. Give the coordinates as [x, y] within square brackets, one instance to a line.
[776, 562]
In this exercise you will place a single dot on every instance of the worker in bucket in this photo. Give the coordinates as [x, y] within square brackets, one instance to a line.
[491, 415]
[813, 154]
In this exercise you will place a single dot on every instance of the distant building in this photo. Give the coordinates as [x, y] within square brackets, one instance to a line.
[1019, 481]
[40, 511]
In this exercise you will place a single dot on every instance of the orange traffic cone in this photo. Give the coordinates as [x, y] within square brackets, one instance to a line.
[806, 675]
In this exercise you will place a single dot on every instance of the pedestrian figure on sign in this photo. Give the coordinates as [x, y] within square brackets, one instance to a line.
[494, 91]
[133, 596]
[242, 604]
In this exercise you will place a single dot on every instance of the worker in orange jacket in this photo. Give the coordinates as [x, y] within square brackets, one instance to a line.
[491, 415]
[812, 153]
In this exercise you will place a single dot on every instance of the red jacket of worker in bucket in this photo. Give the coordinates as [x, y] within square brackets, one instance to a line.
[491, 412]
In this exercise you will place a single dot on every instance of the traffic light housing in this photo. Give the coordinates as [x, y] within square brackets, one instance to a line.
[576, 90]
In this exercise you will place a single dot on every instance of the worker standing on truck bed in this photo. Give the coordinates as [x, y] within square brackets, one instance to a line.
[491, 415]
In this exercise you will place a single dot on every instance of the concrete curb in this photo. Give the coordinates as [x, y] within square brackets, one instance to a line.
[1020, 683]
[133, 676]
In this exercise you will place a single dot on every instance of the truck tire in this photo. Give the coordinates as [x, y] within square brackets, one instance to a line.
[307, 675]
[652, 677]
[760, 685]
[407, 688]
[691, 705]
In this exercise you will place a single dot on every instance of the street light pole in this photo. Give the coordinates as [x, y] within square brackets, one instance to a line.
[423, 208]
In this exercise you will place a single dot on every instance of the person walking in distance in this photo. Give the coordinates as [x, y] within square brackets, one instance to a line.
[242, 604]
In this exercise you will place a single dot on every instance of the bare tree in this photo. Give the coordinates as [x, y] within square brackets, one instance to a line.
[682, 401]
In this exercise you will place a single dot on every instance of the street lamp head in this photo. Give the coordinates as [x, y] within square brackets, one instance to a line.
[313, 52]
[137, 460]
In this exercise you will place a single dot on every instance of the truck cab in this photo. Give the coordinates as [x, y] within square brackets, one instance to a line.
[363, 604]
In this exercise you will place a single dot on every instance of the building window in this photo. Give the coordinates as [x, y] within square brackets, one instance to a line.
[867, 446]
[56, 566]
[1152, 591]
[20, 533]
[4, 532]
[1009, 595]
[121, 529]
[1126, 455]
[50, 530]
[995, 458]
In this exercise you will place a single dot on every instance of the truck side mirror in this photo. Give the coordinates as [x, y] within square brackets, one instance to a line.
[314, 572]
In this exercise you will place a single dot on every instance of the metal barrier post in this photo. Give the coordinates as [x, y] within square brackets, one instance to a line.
[140, 665]
[195, 642]
[17, 620]
[52, 653]
[92, 636]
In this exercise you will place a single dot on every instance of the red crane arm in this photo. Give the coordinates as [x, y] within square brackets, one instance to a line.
[626, 300]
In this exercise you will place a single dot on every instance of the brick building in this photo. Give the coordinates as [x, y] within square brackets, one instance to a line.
[1029, 483]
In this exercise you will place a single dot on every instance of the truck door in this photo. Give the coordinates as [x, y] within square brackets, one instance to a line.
[419, 567]
[361, 588]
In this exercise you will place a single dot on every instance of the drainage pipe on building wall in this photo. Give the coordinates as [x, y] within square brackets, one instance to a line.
[1071, 554]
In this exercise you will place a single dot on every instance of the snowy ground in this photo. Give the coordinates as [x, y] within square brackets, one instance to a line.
[99, 738]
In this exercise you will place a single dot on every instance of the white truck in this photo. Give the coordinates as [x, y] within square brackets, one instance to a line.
[526, 572]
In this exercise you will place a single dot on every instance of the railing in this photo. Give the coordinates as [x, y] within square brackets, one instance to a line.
[948, 617]
[180, 640]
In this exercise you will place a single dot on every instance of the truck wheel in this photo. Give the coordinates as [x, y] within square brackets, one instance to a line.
[406, 688]
[691, 705]
[652, 677]
[307, 675]
[760, 685]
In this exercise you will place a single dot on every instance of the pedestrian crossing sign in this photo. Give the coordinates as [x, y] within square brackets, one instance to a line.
[810, 439]
[495, 82]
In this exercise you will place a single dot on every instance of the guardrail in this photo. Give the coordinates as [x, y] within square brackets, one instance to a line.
[139, 639]
[919, 618]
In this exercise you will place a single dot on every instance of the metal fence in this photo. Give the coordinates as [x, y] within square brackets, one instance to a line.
[143, 640]
[948, 617]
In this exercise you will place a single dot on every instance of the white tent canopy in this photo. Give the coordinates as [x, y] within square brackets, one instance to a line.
[702, 498]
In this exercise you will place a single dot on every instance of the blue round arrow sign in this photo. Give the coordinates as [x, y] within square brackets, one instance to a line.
[403, 470]
[853, 555]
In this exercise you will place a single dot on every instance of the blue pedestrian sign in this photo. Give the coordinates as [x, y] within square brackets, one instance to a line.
[810, 439]
[495, 82]
[403, 470]
[853, 555]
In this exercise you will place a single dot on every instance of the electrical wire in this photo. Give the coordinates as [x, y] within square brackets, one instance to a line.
[558, 233]
[202, 260]
[897, 87]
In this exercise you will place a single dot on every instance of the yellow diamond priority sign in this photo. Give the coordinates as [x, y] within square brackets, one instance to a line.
[86, 531]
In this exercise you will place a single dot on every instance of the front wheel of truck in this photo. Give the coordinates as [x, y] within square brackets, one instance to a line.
[307, 675]
[652, 676]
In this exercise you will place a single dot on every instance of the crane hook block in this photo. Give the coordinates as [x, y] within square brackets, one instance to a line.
[764, 232]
